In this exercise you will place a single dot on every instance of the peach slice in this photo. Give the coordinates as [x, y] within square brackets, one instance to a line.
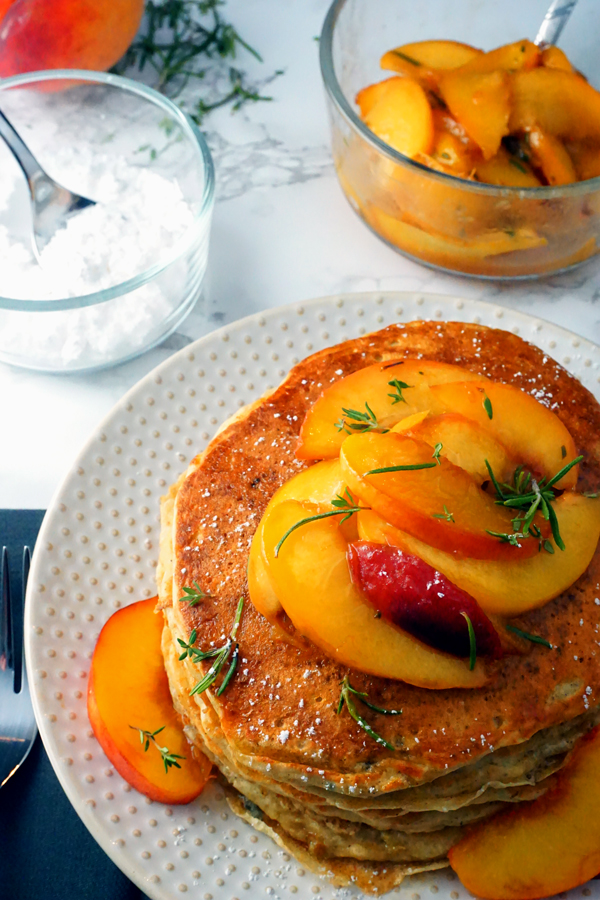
[319, 436]
[586, 158]
[417, 499]
[505, 169]
[402, 117]
[466, 255]
[530, 432]
[555, 58]
[131, 689]
[480, 102]
[550, 155]
[508, 588]
[544, 847]
[464, 442]
[560, 103]
[412, 595]
[312, 579]
[423, 59]
[510, 57]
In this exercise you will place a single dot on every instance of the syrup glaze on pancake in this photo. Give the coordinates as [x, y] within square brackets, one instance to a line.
[281, 706]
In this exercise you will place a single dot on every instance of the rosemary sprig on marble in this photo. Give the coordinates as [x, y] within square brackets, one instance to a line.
[147, 737]
[346, 506]
[347, 697]
[177, 39]
[229, 652]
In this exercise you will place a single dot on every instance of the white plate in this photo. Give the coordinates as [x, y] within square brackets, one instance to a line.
[97, 551]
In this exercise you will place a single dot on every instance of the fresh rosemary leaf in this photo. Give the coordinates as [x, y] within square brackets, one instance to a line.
[497, 487]
[347, 696]
[472, 642]
[563, 471]
[398, 386]
[193, 595]
[591, 495]
[563, 451]
[415, 466]
[508, 538]
[436, 453]
[445, 515]
[355, 421]
[518, 165]
[487, 405]
[346, 512]
[220, 655]
[406, 58]
[146, 737]
[535, 638]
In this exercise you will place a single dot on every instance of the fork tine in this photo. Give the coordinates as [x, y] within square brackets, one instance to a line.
[17, 611]
[6, 655]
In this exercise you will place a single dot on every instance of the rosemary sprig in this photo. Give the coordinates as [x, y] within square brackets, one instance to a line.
[487, 405]
[535, 638]
[436, 454]
[406, 58]
[220, 654]
[472, 642]
[346, 507]
[445, 515]
[359, 421]
[146, 737]
[193, 595]
[398, 386]
[347, 696]
[176, 40]
[408, 468]
[529, 496]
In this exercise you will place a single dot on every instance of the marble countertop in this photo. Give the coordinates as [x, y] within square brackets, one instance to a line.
[282, 232]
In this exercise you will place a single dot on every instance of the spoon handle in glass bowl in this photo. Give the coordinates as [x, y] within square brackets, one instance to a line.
[555, 20]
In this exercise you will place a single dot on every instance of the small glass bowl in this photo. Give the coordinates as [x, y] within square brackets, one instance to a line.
[106, 120]
[446, 222]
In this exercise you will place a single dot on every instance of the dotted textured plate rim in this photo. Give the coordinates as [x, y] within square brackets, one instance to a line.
[97, 549]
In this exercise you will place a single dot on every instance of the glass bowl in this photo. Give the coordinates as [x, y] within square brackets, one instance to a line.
[93, 131]
[438, 219]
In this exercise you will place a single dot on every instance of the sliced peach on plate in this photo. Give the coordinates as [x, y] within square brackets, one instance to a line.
[402, 117]
[540, 848]
[311, 577]
[550, 155]
[371, 388]
[432, 499]
[560, 103]
[508, 588]
[506, 170]
[481, 102]
[510, 57]
[531, 432]
[555, 58]
[412, 595]
[129, 691]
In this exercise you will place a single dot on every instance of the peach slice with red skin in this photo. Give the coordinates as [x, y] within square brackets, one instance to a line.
[131, 689]
[508, 588]
[320, 438]
[417, 498]
[413, 596]
[540, 848]
[311, 578]
[531, 432]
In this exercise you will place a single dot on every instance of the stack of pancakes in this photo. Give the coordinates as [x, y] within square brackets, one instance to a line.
[316, 782]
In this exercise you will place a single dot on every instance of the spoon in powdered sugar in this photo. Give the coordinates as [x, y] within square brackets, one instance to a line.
[51, 203]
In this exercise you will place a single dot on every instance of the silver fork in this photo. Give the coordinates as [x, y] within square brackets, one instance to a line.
[17, 721]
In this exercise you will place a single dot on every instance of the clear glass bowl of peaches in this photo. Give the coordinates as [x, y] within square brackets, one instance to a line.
[461, 142]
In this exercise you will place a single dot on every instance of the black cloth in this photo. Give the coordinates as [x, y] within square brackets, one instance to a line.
[46, 852]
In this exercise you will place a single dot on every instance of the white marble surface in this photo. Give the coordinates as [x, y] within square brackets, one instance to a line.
[282, 232]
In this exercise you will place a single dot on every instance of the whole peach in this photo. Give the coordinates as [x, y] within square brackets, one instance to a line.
[66, 34]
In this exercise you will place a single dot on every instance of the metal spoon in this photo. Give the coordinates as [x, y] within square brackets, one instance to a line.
[51, 204]
[554, 21]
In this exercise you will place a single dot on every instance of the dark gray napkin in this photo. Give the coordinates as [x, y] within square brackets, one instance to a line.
[46, 852]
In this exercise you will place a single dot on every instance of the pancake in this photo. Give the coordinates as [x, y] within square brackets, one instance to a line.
[274, 733]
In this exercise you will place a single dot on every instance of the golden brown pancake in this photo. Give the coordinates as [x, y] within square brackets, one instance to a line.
[276, 724]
